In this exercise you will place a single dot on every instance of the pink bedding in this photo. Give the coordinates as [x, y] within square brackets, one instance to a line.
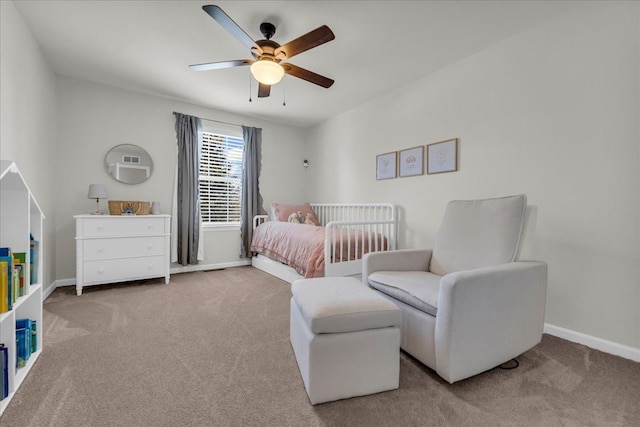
[301, 246]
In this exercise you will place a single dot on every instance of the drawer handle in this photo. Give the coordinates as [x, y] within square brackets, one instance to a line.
[150, 266]
[149, 246]
[100, 270]
[100, 250]
[100, 227]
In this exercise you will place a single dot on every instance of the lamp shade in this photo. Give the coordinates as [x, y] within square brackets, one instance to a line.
[267, 72]
[97, 191]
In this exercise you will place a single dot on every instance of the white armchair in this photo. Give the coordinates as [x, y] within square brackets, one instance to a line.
[470, 304]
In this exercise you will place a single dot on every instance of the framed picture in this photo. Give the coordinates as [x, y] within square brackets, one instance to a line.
[386, 165]
[442, 156]
[411, 161]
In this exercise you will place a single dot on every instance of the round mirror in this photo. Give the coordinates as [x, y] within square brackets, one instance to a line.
[128, 163]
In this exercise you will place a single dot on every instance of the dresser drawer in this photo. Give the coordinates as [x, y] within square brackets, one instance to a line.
[115, 270]
[123, 247]
[121, 226]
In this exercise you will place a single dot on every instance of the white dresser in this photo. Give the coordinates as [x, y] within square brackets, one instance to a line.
[115, 248]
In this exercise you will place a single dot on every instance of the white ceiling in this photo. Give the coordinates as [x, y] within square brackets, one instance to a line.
[146, 46]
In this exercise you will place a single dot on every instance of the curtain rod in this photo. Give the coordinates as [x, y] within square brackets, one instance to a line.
[217, 121]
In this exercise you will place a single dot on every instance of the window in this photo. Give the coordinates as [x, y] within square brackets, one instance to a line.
[220, 178]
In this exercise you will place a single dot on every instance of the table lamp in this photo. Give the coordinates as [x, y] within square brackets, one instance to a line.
[97, 191]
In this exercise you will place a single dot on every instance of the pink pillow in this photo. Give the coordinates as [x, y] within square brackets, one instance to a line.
[282, 212]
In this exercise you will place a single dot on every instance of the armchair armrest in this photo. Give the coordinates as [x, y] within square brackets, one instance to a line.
[488, 316]
[399, 260]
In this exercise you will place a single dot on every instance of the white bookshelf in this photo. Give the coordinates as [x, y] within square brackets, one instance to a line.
[20, 217]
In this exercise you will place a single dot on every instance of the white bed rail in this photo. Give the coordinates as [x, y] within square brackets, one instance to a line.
[259, 219]
[352, 230]
[327, 212]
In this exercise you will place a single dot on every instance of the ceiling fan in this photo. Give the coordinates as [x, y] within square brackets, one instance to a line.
[267, 67]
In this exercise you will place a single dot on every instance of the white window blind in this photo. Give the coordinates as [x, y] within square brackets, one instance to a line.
[220, 178]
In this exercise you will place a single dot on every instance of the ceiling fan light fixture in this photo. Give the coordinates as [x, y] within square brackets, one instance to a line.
[267, 71]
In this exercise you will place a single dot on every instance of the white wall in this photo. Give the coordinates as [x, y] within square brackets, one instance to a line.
[553, 113]
[92, 118]
[27, 119]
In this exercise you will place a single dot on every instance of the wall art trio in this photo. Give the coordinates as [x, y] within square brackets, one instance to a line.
[440, 156]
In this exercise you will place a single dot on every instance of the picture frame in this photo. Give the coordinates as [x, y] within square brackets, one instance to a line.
[387, 165]
[411, 161]
[442, 156]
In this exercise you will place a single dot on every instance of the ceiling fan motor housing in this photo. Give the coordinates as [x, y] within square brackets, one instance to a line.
[268, 50]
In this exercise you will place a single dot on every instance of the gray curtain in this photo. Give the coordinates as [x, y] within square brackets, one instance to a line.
[189, 135]
[251, 200]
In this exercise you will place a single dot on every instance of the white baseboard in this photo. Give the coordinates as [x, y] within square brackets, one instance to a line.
[47, 292]
[610, 347]
[65, 282]
[174, 270]
[60, 282]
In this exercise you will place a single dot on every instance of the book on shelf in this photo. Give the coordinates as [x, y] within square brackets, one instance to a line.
[15, 284]
[4, 372]
[4, 286]
[34, 336]
[20, 257]
[23, 323]
[5, 251]
[26, 339]
[34, 260]
[8, 260]
[20, 263]
[19, 270]
[23, 346]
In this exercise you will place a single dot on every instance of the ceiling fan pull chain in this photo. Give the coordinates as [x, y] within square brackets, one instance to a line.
[284, 92]
[250, 100]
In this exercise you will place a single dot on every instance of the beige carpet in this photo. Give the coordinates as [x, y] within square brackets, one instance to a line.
[212, 349]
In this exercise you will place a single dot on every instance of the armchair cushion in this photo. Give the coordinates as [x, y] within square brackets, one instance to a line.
[418, 289]
[478, 233]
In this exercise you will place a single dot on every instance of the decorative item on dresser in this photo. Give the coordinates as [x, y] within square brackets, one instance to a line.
[123, 207]
[115, 248]
[97, 191]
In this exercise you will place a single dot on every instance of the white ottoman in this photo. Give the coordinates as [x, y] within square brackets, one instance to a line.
[346, 338]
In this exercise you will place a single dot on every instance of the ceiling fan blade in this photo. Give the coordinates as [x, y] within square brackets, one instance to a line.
[219, 65]
[307, 75]
[228, 24]
[263, 90]
[310, 40]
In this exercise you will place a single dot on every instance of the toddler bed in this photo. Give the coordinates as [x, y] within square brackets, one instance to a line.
[317, 240]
